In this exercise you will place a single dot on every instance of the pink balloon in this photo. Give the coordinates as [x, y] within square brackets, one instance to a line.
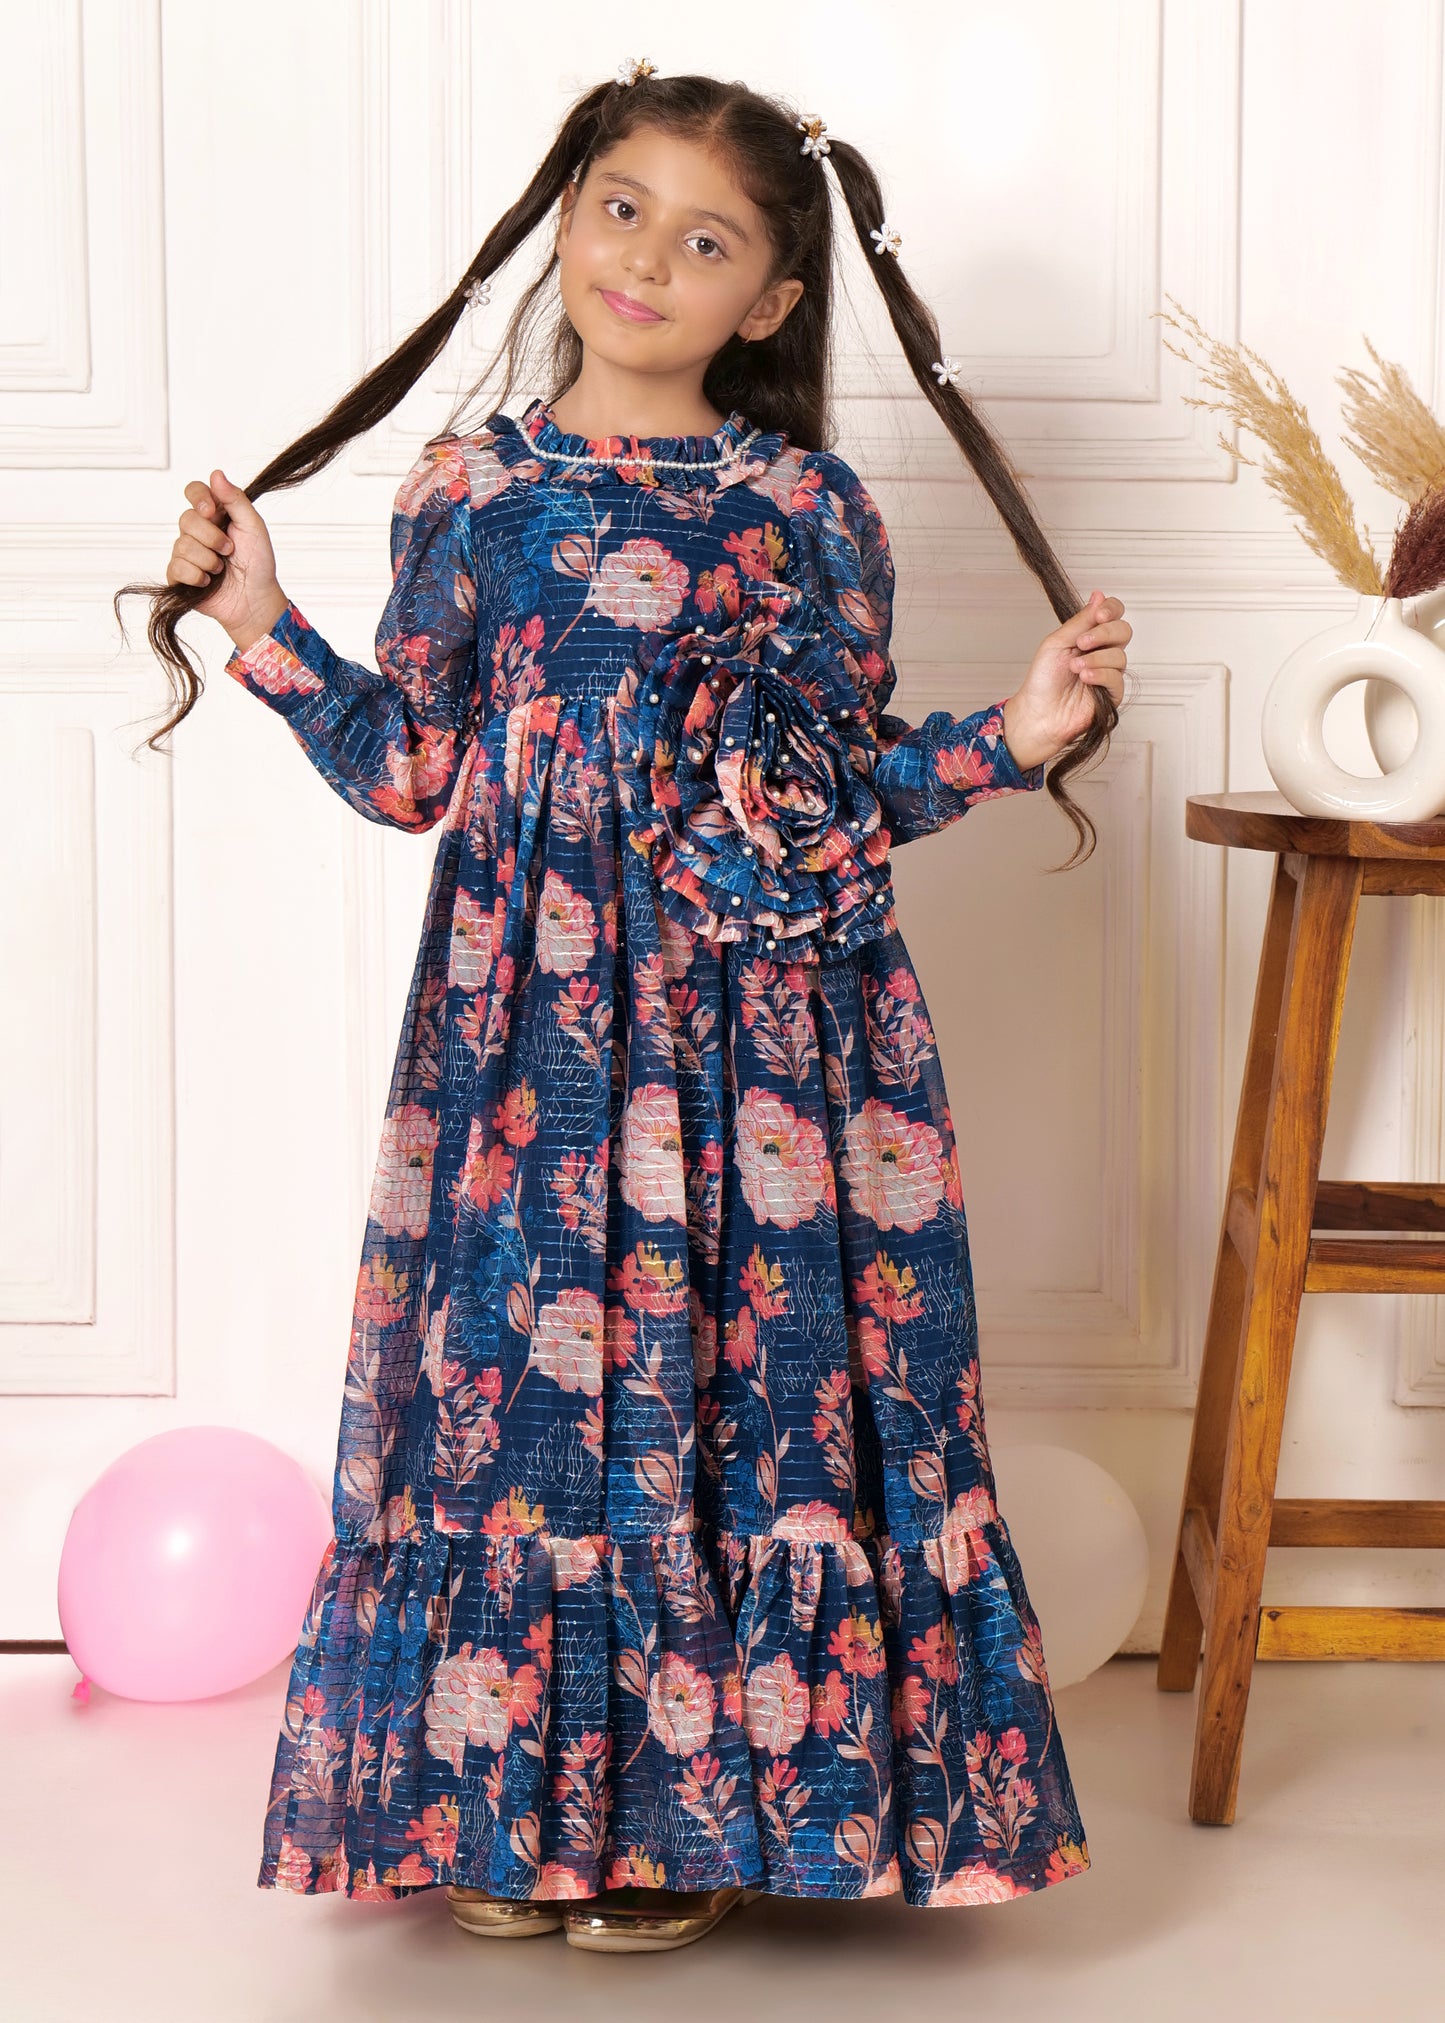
[188, 1565]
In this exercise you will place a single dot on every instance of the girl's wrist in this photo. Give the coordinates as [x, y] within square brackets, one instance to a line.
[1023, 740]
[260, 622]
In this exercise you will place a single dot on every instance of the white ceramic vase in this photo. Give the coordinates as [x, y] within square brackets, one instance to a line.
[1404, 714]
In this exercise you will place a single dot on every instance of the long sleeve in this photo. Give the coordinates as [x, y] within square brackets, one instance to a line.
[929, 774]
[389, 741]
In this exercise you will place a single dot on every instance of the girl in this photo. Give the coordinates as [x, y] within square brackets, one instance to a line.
[667, 1567]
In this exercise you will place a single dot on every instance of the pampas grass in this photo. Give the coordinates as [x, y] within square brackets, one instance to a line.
[1396, 436]
[1417, 561]
[1296, 467]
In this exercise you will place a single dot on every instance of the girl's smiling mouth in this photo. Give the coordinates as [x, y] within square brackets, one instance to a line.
[629, 308]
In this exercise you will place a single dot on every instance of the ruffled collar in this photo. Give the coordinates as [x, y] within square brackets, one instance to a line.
[736, 450]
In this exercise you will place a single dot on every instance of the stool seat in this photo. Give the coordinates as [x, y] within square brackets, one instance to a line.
[1275, 1246]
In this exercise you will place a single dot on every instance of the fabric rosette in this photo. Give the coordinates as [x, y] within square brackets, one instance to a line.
[746, 758]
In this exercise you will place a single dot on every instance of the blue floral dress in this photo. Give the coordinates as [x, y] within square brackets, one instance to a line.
[666, 1549]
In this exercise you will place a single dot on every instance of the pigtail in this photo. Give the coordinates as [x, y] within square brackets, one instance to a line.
[381, 390]
[918, 335]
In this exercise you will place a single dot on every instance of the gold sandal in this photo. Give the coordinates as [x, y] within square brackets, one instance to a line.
[502, 1917]
[634, 1919]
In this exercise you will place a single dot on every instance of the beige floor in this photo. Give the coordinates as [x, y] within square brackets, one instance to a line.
[130, 1845]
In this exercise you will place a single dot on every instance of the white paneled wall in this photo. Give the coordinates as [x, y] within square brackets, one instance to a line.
[213, 223]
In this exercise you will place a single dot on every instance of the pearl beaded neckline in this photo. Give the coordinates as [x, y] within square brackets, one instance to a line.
[727, 456]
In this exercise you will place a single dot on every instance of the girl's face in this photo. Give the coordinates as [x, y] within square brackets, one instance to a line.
[657, 225]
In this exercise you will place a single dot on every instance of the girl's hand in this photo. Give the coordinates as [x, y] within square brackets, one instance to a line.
[1053, 705]
[239, 559]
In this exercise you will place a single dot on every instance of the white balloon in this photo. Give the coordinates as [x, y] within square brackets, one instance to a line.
[1081, 1544]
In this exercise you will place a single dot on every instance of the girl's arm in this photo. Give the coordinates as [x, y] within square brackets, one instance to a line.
[929, 774]
[389, 742]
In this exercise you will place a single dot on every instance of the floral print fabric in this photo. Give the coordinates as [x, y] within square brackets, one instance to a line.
[666, 1546]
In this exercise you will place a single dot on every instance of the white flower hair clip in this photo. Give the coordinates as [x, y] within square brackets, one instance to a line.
[947, 369]
[886, 239]
[633, 67]
[480, 293]
[817, 131]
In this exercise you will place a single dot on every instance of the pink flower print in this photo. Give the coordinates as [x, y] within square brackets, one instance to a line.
[893, 1169]
[401, 1188]
[411, 1872]
[858, 1642]
[512, 1517]
[740, 1341]
[486, 1174]
[872, 1347]
[434, 1352]
[649, 1282]
[471, 950]
[567, 1341]
[640, 584]
[417, 775]
[937, 1652]
[830, 1704]
[555, 1879]
[776, 1706]
[760, 551]
[977, 1884]
[783, 1164]
[381, 1294]
[649, 1154]
[473, 1699]
[814, 1521]
[620, 1344]
[964, 766]
[911, 1704]
[962, 1554]
[718, 594]
[293, 1866]
[278, 670]
[436, 1830]
[574, 1560]
[566, 927]
[440, 471]
[678, 947]
[732, 1694]
[680, 1705]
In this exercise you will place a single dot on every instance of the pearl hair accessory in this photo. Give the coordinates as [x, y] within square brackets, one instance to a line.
[480, 293]
[633, 67]
[817, 143]
[887, 240]
[947, 369]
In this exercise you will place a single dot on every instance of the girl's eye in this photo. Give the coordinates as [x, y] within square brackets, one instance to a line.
[706, 237]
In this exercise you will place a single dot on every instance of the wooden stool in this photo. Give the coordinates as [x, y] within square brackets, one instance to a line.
[1269, 1255]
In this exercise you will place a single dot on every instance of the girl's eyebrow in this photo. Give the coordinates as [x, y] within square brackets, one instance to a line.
[716, 217]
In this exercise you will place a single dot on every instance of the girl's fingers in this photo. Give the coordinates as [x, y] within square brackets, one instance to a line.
[1118, 630]
[191, 550]
[197, 529]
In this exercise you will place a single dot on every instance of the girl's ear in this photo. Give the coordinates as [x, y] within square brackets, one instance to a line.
[771, 308]
[564, 215]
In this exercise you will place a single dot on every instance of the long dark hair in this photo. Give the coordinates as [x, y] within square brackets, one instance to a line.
[780, 382]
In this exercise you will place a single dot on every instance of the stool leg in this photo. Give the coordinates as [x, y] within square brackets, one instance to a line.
[1179, 1646]
[1326, 902]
